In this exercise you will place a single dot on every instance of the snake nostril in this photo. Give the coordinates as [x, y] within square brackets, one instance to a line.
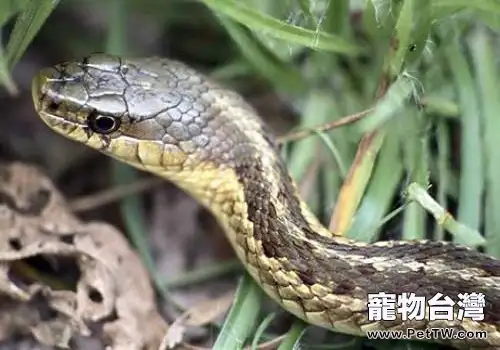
[53, 106]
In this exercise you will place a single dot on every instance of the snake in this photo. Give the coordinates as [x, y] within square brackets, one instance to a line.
[161, 116]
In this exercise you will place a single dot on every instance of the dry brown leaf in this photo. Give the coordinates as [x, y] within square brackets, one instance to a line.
[54, 332]
[208, 311]
[112, 291]
[199, 315]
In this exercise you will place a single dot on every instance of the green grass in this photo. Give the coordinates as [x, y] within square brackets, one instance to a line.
[423, 65]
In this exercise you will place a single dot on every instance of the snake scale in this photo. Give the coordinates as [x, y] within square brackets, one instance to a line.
[164, 117]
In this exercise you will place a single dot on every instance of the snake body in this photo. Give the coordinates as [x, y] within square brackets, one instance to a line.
[161, 116]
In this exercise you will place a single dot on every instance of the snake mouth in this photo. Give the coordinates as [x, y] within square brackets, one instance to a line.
[45, 105]
[37, 90]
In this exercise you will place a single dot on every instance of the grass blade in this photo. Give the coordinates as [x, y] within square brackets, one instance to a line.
[240, 321]
[379, 193]
[391, 103]
[256, 20]
[283, 75]
[261, 329]
[292, 340]
[487, 72]
[461, 233]
[471, 179]
[27, 25]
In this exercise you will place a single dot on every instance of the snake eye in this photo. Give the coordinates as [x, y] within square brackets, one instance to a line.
[102, 124]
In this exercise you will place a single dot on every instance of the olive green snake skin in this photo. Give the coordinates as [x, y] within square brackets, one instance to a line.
[163, 117]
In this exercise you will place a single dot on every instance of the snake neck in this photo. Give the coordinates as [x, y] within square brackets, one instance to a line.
[255, 200]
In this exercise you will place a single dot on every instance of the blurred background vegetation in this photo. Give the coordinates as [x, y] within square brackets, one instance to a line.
[415, 81]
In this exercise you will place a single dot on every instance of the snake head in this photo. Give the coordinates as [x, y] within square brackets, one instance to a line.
[160, 116]
[147, 112]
